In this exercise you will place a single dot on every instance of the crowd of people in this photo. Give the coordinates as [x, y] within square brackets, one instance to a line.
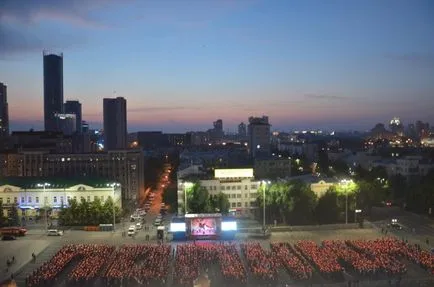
[323, 259]
[261, 264]
[192, 259]
[383, 252]
[149, 264]
[295, 264]
[144, 264]
[48, 272]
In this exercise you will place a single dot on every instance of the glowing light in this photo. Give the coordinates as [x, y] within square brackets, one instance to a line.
[229, 226]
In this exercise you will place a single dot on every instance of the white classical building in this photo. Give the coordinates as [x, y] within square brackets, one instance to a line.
[239, 184]
[32, 194]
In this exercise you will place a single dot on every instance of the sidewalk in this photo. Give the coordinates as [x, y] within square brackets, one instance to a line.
[22, 251]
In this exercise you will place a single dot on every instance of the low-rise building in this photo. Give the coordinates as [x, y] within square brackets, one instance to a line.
[31, 194]
[272, 168]
[239, 184]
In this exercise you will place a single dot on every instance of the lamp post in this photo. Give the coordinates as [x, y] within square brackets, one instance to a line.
[264, 182]
[345, 183]
[355, 214]
[186, 185]
[43, 185]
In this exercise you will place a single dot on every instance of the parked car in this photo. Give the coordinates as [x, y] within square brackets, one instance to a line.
[54, 232]
[8, 237]
[138, 226]
[157, 221]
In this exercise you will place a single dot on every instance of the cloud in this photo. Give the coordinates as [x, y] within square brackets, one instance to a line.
[75, 12]
[324, 97]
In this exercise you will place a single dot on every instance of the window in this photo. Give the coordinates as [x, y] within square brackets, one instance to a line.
[69, 198]
[95, 197]
[246, 204]
[239, 195]
[233, 204]
[233, 195]
[15, 200]
[37, 199]
[75, 197]
[234, 187]
[254, 186]
[245, 187]
[55, 199]
[46, 200]
[23, 199]
[253, 194]
[88, 198]
[29, 199]
[246, 195]
[238, 204]
[61, 199]
[8, 200]
[239, 187]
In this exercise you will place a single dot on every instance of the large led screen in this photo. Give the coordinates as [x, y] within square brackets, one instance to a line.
[203, 226]
[178, 227]
[229, 226]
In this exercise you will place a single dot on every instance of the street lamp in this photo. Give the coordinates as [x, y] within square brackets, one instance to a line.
[355, 214]
[186, 185]
[43, 185]
[264, 182]
[113, 185]
[346, 182]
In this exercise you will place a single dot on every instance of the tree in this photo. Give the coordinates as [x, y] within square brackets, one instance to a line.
[14, 219]
[222, 204]
[327, 210]
[198, 199]
[2, 217]
[170, 198]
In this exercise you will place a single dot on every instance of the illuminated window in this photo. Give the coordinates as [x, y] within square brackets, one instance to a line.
[23, 199]
[37, 199]
[29, 199]
[55, 199]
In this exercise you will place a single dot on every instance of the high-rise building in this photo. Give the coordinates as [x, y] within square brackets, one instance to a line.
[53, 89]
[115, 123]
[4, 111]
[259, 137]
[242, 130]
[74, 107]
[218, 126]
[66, 123]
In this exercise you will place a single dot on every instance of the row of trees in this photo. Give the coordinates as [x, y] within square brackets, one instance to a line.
[89, 213]
[200, 201]
[12, 218]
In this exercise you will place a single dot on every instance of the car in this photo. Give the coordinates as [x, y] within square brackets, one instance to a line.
[8, 237]
[131, 231]
[157, 222]
[54, 232]
[138, 226]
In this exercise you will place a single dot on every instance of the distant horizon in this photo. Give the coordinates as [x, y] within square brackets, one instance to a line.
[180, 65]
[232, 129]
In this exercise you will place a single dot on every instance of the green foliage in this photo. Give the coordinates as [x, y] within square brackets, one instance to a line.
[200, 201]
[2, 217]
[327, 210]
[88, 213]
[14, 219]
[287, 202]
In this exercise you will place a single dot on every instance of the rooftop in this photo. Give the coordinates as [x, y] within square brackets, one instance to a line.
[55, 182]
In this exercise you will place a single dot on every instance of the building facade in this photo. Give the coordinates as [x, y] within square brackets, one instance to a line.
[259, 137]
[239, 184]
[272, 168]
[4, 111]
[30, 195]
[66, 123]
[125, 167]
[74, 107]
[53, 89]
[115, 123]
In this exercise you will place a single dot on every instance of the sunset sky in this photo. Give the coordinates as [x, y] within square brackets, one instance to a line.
[183, 64]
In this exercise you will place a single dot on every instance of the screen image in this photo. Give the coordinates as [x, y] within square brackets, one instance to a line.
[178, 227]
[203, 226]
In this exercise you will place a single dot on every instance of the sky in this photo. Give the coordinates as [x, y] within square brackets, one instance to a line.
[182, 64]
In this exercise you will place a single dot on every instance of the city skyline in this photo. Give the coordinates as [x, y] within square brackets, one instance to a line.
[180, 66]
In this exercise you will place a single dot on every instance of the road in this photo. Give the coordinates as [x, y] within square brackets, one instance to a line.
[415, 227]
